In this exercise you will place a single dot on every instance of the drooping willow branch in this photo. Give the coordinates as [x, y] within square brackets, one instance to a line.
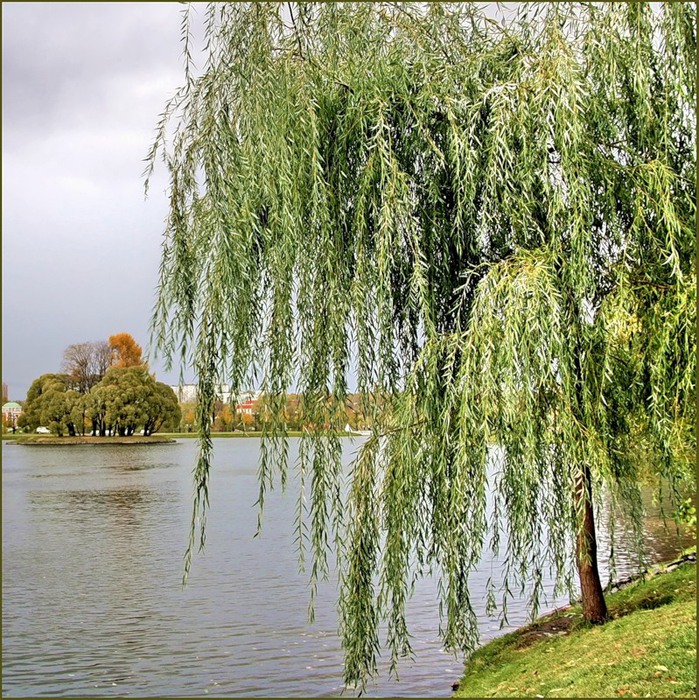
[450, 215]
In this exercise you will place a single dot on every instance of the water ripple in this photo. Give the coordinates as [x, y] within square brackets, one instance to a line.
[93, 603]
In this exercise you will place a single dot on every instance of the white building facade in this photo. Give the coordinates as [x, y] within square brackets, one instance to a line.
[187, 393]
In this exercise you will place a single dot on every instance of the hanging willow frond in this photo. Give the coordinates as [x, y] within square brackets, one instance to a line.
[487, 226]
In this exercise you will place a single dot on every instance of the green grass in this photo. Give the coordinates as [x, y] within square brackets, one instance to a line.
[648, 649]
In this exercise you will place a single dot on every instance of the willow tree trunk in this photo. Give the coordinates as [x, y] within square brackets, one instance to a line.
[593, 603]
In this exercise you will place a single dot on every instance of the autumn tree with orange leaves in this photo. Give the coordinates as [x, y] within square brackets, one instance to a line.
[126, 352]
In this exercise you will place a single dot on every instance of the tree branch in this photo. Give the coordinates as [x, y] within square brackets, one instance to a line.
[296, 30]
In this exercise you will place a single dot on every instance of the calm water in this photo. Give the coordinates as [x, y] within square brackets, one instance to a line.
[93, 605]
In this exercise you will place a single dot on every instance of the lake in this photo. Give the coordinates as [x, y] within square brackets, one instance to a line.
[92, 560]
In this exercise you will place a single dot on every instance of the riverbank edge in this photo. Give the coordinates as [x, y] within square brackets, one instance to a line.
[258, 434]
[525, 662]
[159, 439]
[54, 441]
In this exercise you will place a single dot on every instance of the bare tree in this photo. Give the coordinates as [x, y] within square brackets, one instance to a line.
[77, 361]
[101, 357]
[86, 363]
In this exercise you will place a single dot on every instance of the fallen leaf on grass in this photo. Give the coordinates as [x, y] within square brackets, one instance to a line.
[661, 668]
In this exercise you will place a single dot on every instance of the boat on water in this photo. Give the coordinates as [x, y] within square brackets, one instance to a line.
[355, 433]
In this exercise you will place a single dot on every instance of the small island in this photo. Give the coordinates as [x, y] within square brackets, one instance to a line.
[105, 395]
[54, 440]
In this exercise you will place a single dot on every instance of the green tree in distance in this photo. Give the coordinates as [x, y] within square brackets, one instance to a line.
[128, 398]
[162, 409]
[123, 401]
[51, 403]
[491, 225]
[127, 392]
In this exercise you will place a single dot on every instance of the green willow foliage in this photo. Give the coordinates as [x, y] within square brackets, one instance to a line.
[490, 225]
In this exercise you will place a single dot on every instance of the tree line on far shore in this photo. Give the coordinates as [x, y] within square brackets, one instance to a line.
[104, 388]
[225, 417]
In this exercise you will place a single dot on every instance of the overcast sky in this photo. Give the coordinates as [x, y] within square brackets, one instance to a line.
[82, 87]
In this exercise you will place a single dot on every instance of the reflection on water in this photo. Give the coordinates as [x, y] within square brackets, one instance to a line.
[97, 502]
[661, 539]
[125, 506]
[92, 597]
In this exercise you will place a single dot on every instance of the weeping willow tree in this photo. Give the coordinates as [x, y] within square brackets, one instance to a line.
[486, 228]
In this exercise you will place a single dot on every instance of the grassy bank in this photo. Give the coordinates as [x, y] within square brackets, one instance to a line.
[648, 649]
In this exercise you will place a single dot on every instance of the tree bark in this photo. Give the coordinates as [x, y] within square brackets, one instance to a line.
[593, 603]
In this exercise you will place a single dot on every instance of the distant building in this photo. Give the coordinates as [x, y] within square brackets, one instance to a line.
[187, 393]
[246, 402]
[11, 411]
[246, 407]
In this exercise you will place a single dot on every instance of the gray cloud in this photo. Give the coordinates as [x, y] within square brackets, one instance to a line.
[83, 85]
[62, 62]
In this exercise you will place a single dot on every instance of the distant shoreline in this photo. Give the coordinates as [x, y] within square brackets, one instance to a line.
[161, 439]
